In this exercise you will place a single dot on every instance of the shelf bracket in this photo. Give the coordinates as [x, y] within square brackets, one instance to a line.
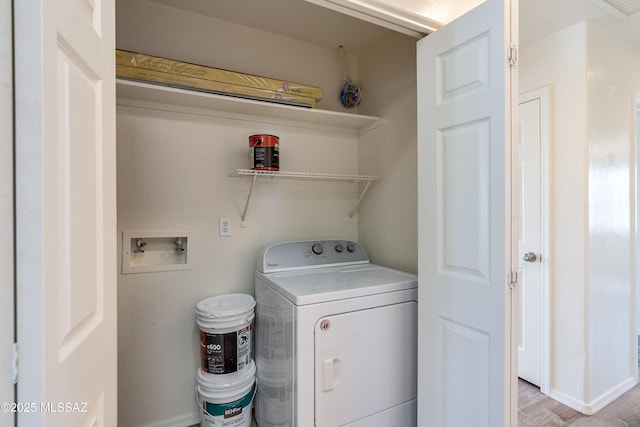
[246, 205]
[364, 190]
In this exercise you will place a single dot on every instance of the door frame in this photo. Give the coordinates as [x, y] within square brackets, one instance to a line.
[7, 236]
[544, 95]
[635, 182]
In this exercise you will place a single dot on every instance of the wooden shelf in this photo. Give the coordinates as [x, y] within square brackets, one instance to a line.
[138, 91]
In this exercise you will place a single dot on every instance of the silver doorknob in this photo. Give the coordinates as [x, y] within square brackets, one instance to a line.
[530, 257]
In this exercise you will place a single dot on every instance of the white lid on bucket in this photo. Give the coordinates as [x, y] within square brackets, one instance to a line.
[225, 310]
[241, 380]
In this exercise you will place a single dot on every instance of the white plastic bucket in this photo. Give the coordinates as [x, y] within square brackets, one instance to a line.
[226, 332]
[227, 400]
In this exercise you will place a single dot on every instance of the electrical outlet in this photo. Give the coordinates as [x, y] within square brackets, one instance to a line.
[225, 227]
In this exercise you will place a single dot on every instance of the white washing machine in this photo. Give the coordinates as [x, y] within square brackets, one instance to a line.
[336, 338]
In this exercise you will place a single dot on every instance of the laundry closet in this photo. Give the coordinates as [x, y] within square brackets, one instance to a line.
[177, 154]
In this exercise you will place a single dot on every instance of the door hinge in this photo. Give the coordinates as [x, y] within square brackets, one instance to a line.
[512, 55]
[14, 363]
[513, 279]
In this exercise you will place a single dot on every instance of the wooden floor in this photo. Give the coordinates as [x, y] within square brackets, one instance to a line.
[537, 410]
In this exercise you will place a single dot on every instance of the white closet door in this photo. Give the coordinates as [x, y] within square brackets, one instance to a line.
[464, 163]
[66, 212]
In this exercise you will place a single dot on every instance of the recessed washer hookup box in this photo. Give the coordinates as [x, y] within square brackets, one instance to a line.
[146, 68]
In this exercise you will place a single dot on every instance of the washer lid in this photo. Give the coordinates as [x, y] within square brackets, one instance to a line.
[337, 283]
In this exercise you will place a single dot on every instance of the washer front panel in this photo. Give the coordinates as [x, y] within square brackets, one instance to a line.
[307, 318]
[367, 358]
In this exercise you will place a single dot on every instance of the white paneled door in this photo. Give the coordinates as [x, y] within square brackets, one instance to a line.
[530, 242]
[66, 212]
[465, 84]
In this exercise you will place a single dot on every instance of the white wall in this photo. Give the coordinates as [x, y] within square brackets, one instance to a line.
[613, 79]
[592, 234]
[172, 176]
[388, 219]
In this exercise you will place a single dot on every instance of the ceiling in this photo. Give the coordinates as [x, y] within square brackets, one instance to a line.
[539, 18]
[296, 19]
[306, 22]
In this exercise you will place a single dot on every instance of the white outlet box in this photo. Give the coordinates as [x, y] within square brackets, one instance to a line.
[225, 227]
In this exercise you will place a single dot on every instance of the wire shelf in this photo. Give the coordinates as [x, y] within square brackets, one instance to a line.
[303, 176]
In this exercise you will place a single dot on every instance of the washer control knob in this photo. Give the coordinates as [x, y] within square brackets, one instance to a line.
[339, 248]
[351, 247]
[317, 249]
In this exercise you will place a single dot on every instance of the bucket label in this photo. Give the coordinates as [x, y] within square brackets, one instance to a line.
[236, 413]
[225, 353]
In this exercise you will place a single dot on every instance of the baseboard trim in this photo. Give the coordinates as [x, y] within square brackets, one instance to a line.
[598, 403]
[609, 396]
